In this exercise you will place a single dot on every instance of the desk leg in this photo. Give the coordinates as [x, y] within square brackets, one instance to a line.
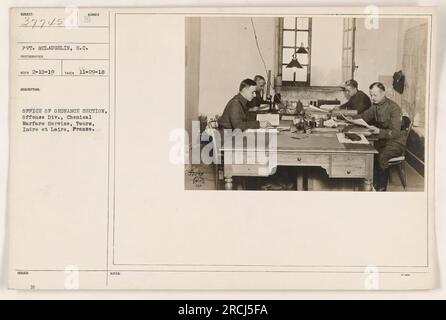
[300, 179]
[368, 181]
[228, 183]
[368, 184]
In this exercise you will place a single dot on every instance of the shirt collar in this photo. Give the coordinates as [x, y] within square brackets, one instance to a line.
[382, 102]
[242, 99]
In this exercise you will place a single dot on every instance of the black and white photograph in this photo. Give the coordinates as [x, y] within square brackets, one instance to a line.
[307, 103]
[143, 143]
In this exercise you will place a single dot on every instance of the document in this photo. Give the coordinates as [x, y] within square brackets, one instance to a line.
[328, 107]
[359, 122]
[115, 183]
[274, 119]
[361, 139]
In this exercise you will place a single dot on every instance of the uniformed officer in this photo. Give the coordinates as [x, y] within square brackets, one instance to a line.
[235, 115]
[260, 88]
[386, 118]
[357, 100]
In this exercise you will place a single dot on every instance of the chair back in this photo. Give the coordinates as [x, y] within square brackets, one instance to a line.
[406, 124]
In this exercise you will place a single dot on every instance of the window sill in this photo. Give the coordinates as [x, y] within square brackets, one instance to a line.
[312, 88]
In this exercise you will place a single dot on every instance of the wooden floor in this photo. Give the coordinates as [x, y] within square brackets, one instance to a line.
[202, 177]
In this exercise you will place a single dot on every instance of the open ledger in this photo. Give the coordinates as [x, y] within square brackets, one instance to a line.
[122, 177]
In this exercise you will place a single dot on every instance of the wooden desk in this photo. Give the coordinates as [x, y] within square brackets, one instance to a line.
[316, 149]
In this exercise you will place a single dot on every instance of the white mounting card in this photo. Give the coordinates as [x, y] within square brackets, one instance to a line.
[104, 103]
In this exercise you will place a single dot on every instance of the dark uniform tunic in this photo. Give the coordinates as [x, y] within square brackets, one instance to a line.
[360, 101]
[256, 101]
[386, 116]
[235, 115]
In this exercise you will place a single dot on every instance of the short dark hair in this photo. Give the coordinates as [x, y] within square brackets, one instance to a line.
[352, 83]
[377, 84]
[257, 77]
[247, 83]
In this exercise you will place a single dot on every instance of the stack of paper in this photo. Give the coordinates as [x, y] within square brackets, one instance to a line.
[328, 107]
[343, 139]
[274, 119]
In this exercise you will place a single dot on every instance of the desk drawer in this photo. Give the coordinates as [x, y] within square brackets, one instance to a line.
[296, 159]
[344, 166]
[248, 170]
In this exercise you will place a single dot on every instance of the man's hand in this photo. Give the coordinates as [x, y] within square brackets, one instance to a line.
[374, 130]
[254, 109]
[343, 117]
[265, 124]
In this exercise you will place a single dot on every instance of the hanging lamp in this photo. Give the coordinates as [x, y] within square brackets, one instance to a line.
[294, 63]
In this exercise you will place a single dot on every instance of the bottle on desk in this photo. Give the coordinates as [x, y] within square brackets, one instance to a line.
[299, 107]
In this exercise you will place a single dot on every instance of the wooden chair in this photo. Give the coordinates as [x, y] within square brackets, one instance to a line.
[218, 167]
[400, 162]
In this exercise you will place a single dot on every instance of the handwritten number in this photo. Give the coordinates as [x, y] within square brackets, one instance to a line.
[26, 21]
[52, 22]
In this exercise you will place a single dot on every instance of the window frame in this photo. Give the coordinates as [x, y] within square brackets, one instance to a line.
[349, 47]
[281, 47]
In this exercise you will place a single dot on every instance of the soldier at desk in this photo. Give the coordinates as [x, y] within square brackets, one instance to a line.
[357, 100]
[386, 117]
[235, 115]
[260, 87]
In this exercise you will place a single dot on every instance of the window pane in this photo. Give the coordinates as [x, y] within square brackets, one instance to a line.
[302, 23]
[347, 73]
[345, 57]
[288, 38]
[349, 57]
[288, 74]
[289, 23]
[287, 55]
[302, 58]
[350, 23]
[301, 74]
[302, 37]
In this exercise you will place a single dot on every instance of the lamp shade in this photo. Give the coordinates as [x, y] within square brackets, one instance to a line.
[302, 49]
[294, 64]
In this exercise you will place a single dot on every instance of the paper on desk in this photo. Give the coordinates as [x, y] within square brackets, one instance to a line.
[271, 118]
[313, 108]
[343, 139]
[359, 122]
[328, 107]
[333, 123]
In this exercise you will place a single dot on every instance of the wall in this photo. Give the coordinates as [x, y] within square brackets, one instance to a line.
[412, 47]
[229, 55]
[375, 51]
[412, 59]
[326, 53]
[192, 71]
[403, 26]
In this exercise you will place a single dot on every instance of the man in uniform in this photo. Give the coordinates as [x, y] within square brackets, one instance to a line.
[386, 118]
[357, 100]
[235, 115]
[260, 88]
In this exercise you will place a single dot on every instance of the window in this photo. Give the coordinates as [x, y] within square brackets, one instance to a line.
[295, 32]
[348, 49]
